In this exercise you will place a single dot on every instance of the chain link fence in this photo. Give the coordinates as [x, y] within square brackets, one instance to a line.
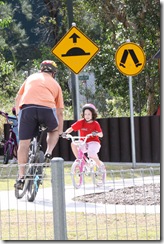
[127, 207]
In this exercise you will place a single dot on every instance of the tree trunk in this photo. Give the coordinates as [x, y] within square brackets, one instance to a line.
[150, 93]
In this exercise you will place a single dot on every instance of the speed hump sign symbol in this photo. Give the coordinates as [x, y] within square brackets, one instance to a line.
[75, 49]
[130, 59]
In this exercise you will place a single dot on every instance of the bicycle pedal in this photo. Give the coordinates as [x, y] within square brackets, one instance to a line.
[47, 158]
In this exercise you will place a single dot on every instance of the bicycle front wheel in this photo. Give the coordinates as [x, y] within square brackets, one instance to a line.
[35, 173]
[76, 175]
[20, 193]
[98, 175]
[7, 153]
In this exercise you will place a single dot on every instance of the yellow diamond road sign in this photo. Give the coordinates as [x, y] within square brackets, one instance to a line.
[130, 59]
[75, 49]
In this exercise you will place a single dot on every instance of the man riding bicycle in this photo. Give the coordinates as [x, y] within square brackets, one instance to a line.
[38, 101]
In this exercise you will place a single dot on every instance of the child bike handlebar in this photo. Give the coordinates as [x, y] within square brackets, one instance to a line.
[77, 139]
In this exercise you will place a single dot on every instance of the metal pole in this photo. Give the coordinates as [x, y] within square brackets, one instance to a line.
[77, 97]
[58, 199]
[132, 123]
[73, 78]
[70, 12]
[74, 104]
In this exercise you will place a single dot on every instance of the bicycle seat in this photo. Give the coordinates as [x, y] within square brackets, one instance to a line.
[42, 127]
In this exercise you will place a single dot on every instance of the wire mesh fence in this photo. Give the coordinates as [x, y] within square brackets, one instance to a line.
[127, 207]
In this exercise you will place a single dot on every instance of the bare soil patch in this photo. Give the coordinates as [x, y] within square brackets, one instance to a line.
[148, 194]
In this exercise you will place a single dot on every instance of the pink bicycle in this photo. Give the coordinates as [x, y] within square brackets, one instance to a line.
[84, 165]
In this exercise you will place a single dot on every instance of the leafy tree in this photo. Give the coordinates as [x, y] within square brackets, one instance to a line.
[13, 40]
[111, 23]
[34, 31]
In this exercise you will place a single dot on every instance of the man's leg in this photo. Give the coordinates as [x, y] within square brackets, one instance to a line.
[52, 139]
[74, 150]
[23, 150]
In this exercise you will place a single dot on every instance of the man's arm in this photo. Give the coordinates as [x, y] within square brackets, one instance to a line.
[59, 112]
[17, 100]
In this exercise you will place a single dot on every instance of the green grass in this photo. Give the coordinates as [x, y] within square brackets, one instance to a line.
[29, 225]
[8, 174]
[37, 225]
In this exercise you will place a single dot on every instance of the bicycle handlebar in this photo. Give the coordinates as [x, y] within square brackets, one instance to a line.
[8, 118]
[4, 114]
[77, 139]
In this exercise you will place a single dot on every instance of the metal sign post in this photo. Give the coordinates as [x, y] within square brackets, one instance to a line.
[132, 123]
[77, 97]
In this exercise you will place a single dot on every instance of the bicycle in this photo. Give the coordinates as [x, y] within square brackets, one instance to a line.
[10, 144]
[85, 165]
[34, 168]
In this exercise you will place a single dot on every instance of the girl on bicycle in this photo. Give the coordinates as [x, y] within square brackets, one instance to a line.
[88, 125]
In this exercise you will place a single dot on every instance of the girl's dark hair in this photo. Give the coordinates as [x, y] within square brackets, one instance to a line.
[94, 113]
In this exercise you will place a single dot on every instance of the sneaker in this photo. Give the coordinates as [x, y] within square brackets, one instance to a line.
[19, 184]
[47, 158]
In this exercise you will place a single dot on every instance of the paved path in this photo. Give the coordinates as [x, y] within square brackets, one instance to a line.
[43, 201]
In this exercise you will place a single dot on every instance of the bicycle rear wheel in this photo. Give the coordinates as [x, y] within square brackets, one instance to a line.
[98, 175]
[8, 153]
[76, 174]
[35, 173]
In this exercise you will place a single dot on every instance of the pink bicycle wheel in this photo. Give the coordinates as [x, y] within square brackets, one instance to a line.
[99, 175]
[76, 174]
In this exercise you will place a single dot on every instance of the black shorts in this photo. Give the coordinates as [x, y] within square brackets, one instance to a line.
[31, 116]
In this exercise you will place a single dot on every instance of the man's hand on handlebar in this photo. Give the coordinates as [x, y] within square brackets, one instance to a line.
[64, 135]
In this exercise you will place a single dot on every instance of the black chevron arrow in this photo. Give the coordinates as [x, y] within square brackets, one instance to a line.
[74, 37]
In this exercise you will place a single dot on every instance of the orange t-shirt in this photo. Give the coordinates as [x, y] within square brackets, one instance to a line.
[41, 89]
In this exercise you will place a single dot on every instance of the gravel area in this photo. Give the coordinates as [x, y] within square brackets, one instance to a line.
[148, 194]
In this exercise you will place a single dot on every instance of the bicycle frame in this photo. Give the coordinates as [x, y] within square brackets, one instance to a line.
[82, 158]
[10, 141]
[79, 141]
[34, 171]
